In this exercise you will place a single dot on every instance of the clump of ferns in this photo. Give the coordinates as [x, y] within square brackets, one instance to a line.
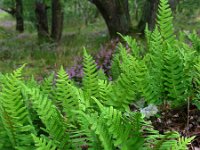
[99, 127]
[97, 114]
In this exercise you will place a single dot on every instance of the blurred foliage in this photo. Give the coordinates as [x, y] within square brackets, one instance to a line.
[83, 26]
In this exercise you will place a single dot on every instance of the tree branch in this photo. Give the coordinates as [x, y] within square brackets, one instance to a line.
[11, 11]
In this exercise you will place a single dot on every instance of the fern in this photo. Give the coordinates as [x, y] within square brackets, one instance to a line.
[174, 76]
[104, 89]
[14, 114]
[156, 62]
[51, 117]
[115, 69]
[90, 78]
[135, 50]
[165, 22]
[112, 128]
[47, 86]
[66, 94]
[123, 89]
[42, 144]
[195, 41]
[196, 82]
[167, 141]
[147, 35]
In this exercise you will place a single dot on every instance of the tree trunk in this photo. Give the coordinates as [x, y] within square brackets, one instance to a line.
[42, 21]
[57, 20]
[173, 4]
[150, 13]
[116, 15]
[19, 16]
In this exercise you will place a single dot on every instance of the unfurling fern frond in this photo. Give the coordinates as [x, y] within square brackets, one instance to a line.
[43, 144]
[165, 22]
[13, 111]
[90, 78]
[51, 117]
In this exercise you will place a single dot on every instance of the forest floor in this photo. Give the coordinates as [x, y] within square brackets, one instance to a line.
[184, 120]
[17, 49]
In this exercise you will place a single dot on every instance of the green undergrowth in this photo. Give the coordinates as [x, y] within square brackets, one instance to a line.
[56, 113]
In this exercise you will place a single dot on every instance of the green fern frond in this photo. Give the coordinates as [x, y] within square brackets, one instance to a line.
[196, 82]
[182, 143]
[175, 80]
[147, 35]
[5, 142]
[115, 66]
[122, 93]
[167, 141]
[47, 85]
[88, 137]
[101, 75]
[42, 144]
[51, 117]
[155, 64]
[133, 46]
[195, 39]
[66, 94]
[145, 83]
[14, 113]
[165, 22]
[104, 89]
[123, 89]
[90, 77]
[172, 140]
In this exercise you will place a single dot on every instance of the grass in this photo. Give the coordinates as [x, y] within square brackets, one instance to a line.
[17, 49]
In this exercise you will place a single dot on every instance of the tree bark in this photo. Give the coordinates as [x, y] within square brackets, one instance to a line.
[42, 21]
[116, 15]
[19, 16]
[57, 20]
[149, 14]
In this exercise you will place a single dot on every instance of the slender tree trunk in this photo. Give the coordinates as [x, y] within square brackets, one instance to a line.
[19, 16]
[149, 13]
[57, 20]
[42, 21]
[116, 15]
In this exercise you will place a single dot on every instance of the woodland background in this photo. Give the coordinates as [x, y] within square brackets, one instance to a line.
[50, 33]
